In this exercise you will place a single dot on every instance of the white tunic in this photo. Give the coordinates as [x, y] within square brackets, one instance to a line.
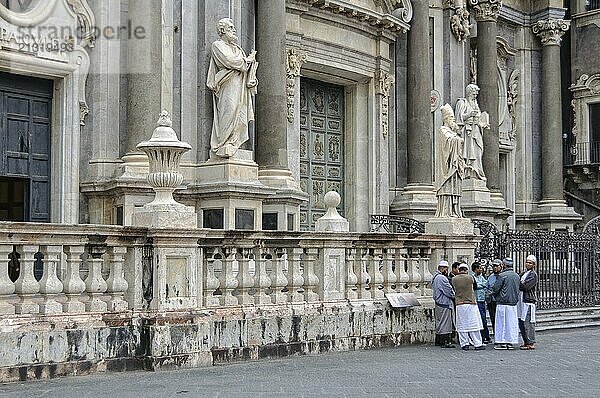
[507, 324]
[468, 318]
[523, 307]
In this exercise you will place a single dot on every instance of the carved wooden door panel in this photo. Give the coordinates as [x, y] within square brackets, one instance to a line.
[25, 108]
[321, 147]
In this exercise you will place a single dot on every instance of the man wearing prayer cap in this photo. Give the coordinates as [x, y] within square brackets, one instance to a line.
[527, 300]
[489, 297]
[443, 294]
[506, 292]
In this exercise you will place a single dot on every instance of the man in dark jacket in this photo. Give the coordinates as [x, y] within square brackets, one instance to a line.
[506, 292]
[527, 300]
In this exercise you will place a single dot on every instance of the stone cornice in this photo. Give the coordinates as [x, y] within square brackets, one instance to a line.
[396, 23]
[550, 31]
[486, 10]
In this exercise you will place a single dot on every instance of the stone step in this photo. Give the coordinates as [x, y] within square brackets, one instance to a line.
[568, 318]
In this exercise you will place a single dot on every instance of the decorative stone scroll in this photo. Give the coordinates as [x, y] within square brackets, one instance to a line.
[295, 59]
[512, 97]
[384, 82]
[486, 10]
[550, 31]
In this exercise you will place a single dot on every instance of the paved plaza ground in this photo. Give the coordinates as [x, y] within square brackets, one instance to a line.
[565, 364]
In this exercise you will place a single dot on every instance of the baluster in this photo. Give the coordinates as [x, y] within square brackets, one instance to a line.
[26, 286]
[426, 289]
[413, 273]
[389, 275]
[401, 270]
[211, 283]
[73, 284]
[364, 291]
[311, 280]
[262, 281]
[228, 279]
[351, 278]
[116, 283]
[7, 287]
[245, 280]
[50, 285]
[279, 280]
[94, 283]
[377, 263]
[295, 275]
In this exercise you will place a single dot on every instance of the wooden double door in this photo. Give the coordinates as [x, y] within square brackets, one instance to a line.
[25, 148]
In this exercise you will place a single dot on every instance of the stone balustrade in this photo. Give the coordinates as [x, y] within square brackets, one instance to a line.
[52, 269]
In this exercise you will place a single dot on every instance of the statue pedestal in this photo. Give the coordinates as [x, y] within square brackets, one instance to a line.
[460, 241]
[449, 226]
[172, 215]
[554, 215]
[230, 194]
[477, 202]
[474, 192]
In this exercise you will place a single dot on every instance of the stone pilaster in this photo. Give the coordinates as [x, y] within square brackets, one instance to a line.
[486, 14]
[272, 113]
[552, 210]
[417, 200]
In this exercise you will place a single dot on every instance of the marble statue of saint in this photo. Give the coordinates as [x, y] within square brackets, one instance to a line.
[472, 122]
[452, 166]
[232, 79]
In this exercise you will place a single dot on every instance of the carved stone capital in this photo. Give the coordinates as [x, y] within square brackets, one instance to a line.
[550, 31]
[294, 62]
[486, 10]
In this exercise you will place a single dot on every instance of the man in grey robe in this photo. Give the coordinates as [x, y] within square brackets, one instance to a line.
[232, 79]
[443, 295]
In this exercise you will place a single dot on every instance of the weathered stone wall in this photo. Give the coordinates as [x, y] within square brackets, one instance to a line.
[46, 347]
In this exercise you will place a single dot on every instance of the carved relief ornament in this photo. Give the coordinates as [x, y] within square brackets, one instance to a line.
[295, 59]
[486, 10]
[550, 31]
[384, 82]
[460, 24]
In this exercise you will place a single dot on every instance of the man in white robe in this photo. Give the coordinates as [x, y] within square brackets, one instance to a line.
[232, 79]
[527, 301]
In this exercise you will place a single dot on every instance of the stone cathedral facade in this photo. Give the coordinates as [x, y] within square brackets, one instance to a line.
[105, 111]
[83, 83]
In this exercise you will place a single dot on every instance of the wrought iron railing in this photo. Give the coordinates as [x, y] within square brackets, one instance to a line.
[396, 224]
[584, 153]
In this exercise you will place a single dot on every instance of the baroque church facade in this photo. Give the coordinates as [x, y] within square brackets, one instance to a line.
[348, 100]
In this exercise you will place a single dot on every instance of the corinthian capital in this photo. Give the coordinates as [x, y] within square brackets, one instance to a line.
[486, 10]
[550, 31]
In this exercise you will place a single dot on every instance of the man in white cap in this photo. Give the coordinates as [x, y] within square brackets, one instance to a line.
[527, 300]
[506, 292]
[443, 295]
[468, 319]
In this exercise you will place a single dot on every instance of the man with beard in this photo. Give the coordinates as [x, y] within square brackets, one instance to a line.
[443, 294]
[527, 300]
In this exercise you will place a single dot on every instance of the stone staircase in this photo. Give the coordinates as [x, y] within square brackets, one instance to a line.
[567, 318]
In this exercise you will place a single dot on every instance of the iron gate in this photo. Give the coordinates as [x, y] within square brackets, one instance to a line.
[568, 263]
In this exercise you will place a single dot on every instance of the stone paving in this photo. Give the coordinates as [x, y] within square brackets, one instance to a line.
[565, 364]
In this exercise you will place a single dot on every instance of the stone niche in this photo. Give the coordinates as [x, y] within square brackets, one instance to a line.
[50, 40]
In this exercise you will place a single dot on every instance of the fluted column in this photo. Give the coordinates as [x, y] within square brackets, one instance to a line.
[486, 14]
[550, 33]
[419, 140]
[271, 99]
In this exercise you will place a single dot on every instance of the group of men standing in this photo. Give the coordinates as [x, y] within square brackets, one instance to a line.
[461, 299]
